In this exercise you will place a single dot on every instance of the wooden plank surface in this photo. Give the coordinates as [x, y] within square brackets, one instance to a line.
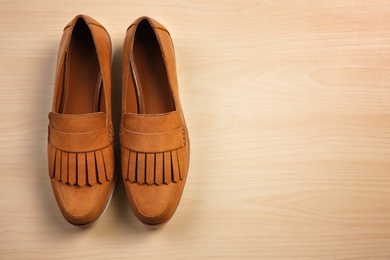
[288, 108]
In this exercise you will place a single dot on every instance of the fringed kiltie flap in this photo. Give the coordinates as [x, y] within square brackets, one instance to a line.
[80, 158]
[153, 148]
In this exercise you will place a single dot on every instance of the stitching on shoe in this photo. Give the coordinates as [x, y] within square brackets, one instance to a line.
[82, 215]
[150, 115]
[165, 210]
[80, 115]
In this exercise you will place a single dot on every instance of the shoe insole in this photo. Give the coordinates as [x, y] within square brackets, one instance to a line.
[152, 80]
[82, 75]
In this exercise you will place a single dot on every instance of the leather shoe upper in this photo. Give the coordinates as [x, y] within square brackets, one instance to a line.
[81, 157]
[154, 136]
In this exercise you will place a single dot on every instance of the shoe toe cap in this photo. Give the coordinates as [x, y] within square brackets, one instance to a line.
[82, 205]
[153, 204]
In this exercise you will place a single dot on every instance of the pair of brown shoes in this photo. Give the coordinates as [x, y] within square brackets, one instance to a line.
[153, 135]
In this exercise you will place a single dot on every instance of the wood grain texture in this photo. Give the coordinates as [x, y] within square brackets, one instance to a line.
[288, 109]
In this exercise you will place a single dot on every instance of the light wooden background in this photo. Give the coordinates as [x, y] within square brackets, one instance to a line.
[288, 108]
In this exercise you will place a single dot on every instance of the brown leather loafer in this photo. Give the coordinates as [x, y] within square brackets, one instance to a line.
[154, 138]
[81, 153]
